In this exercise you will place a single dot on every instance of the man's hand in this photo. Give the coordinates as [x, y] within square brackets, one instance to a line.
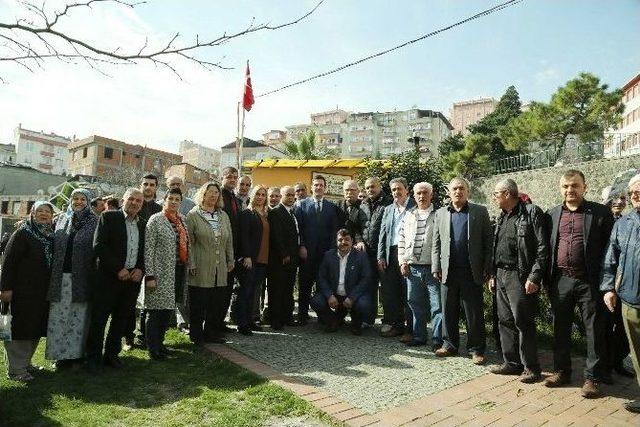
[193, 271]
[404, 269]
[530, 287]
[492, 284]
[610, 300]
[438, 276]
[347, 303]
[124, 274]
[382, 265]
[246, 262]
[360, 246]
[6, 296]
[286, 260]
[302, 252]
[150, 284]
[136, 275]
[333, 302]
[231, 266]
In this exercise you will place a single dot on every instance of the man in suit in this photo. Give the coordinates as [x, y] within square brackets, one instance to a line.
[274, 195]
[317, 219]
[301, 191]
[242, 191]
[351, 216]
[343, 280]
[119, 247]
[373, 208]
[283, 259]
[233, 207]
[397, 318]
[580, 232]
[461, 260]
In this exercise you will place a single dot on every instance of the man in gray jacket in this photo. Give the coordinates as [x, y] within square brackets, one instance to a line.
[461, 260]
[414, 257]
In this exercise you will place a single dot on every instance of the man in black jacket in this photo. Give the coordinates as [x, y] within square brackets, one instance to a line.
[233, 207]
[119, 247]
[580, 232]
[520, 259]
[283, 259]
[350, 215]
[373, 208]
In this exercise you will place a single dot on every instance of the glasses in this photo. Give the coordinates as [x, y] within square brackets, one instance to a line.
[635, 193]
[498, 193]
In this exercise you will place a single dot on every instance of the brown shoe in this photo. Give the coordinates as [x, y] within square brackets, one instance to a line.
[590, 389]
[558, 379]
[478, 359]
[530, 377]
[405, 338]
[445, 352]
[506, 369]
[393, 332]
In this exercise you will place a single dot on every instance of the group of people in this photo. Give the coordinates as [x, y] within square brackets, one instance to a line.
[248, 243]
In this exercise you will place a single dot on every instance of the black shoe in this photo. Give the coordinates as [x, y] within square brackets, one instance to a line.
[303, 320]
[506, 369]
[356, 330]
[530, 377]
[113, 362]
[245, 330]
[157, 356]
[256, 327]
[415, 343]
[277, 327]
[622, 371]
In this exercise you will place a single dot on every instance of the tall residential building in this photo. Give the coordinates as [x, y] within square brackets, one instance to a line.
[97, 155]
[467, 113]
[46, 152]
[274, 138]
[625, 139]
[374, 133]
[200, 156]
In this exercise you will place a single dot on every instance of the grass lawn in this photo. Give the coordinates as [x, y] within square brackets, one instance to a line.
[188, 389]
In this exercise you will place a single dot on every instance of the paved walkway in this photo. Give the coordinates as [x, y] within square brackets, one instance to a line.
[370, 380]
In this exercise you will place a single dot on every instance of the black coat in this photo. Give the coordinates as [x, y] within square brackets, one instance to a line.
[25, 272]
[229, 198]
[283, 236]
[250, 235]
[110, 244]
[373, 210]
[598, 223]
[354, 221]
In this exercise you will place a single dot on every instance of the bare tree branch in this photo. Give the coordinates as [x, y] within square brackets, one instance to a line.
[50, 41]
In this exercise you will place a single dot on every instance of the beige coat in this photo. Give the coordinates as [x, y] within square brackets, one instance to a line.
[211, 253]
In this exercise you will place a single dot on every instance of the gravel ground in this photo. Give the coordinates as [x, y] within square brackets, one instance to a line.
[368, 371]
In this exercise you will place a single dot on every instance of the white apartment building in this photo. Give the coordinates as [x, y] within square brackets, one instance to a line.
[41, 151]
[624, 140]
[198, 155]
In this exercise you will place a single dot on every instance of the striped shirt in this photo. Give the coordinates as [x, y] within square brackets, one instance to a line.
[421, 230]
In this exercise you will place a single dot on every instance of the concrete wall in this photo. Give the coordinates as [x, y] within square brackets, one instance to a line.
[542, 185]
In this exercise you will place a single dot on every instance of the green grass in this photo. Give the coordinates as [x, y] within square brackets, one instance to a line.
[188, 389]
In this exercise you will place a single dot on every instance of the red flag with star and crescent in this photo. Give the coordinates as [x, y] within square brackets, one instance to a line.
[247, 99]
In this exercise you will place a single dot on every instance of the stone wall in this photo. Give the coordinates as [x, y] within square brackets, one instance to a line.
[542, 185]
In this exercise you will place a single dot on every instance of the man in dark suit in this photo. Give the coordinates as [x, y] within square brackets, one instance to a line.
[343, 279]
[461, 260]
[318, 222]
[351, 216]
[580, 232]
[119, 247]
[283, 259]
[233, 207]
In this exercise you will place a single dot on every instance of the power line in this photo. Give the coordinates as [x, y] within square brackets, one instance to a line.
[400, 46]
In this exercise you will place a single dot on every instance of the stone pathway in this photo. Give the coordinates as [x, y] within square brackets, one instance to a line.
[369, 380]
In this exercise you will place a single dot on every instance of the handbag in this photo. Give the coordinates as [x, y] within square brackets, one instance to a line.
[5, 322]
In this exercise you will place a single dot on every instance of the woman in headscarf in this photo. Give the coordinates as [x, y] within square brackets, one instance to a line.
[254, 251]
[72, 273]
[26, 272]
[212, 243]
[166, 256]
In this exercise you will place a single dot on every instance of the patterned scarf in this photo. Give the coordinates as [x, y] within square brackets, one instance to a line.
[183, 236]
[41, 232]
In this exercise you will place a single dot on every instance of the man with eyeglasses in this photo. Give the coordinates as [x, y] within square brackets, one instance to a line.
[580, 231]
[620, 279]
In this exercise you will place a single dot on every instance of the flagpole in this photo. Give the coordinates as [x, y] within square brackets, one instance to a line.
[241, 143]
[238, 137]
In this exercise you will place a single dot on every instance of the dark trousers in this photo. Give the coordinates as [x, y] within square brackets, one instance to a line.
[460, 286]
[565, 294]
[249, 278]
[373, 288]
[113, 298]
[394, 295]
[359, 311]
[207, 309]
[308, 276]
[616, 342]
[157, 325]
[517, 325]
[280, 293]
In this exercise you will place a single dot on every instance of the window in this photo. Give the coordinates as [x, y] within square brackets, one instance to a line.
[108, 153]
[30, 204]
[5, 207]
[84, 153]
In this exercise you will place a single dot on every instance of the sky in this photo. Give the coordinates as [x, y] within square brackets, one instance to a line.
[536, 45]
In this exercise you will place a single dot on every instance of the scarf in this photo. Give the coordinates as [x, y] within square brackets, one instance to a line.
[41, 232]
[183, 237]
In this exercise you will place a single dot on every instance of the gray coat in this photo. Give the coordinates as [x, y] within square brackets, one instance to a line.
[160, 261]
[480, 242]
[82, 259]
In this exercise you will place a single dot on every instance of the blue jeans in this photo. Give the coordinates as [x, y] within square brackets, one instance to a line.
[249, 279]
[423, 289]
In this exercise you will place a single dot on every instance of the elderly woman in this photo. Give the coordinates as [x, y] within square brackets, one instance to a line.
[26, 271]
[166, 255]
[72, 273]
[254, 251]
[212, 257]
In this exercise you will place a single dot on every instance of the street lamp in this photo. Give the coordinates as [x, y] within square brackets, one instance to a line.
[416, 140]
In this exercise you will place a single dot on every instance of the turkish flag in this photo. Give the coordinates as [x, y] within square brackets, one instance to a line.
[247, 99]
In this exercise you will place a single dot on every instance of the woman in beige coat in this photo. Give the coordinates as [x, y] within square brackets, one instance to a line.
[212, 258]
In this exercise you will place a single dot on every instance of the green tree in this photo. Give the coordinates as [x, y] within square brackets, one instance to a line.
[450, 144]
[408, 165]
[583, 106]
[306, 148]
[473, 161]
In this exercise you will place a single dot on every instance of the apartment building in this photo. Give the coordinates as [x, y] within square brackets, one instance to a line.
[200, 156]
[624, 140]
[467, 113]
[46, 152]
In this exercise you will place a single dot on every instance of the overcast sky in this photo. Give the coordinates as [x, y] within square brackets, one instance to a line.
[536, 45]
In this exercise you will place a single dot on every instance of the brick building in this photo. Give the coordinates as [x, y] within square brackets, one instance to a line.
[467, 113]
[193, 177]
